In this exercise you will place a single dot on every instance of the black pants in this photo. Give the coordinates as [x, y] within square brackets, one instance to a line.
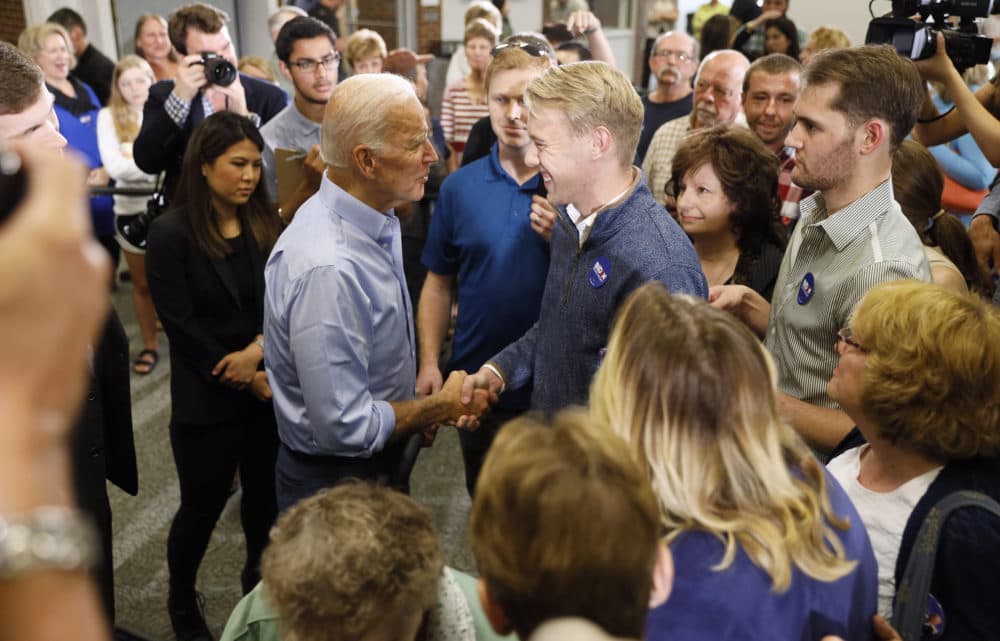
[206, 457]
[476, 444]
[299, 476]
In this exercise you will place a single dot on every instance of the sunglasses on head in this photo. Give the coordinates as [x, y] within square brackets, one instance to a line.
[527, 47]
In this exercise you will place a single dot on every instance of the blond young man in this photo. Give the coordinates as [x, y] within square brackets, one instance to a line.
[610, 235]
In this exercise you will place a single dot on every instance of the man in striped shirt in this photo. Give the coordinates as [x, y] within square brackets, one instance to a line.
[856, 107]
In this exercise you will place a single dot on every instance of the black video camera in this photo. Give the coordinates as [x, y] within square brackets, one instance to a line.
[916, 39]
[218, 70]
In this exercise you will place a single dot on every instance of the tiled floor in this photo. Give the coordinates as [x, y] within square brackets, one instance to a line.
[141, 523]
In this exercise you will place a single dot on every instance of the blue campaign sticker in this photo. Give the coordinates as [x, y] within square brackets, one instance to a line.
[807, 288]
[934, 625]
[600, 272]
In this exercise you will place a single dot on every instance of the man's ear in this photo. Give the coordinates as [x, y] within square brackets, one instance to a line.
[364, 158]
[285, 71]
[874, 133]
[601, 141]
[491, 608]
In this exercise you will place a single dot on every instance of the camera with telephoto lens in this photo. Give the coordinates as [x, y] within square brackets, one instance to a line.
[916, 38]
[218, 70]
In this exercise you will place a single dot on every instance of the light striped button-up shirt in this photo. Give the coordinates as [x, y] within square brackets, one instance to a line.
[839, 257]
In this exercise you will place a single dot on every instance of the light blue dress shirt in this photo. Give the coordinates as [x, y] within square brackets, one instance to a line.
[338, 327]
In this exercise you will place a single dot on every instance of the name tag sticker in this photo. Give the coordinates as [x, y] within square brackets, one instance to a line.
[600, 272]
[806, 288]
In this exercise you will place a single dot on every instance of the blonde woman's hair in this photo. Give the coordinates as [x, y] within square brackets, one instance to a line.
[32, 40]
[937, 392]
[692, 392]
[485, 10]
[591, 94]
[365, 43]
[124, 117]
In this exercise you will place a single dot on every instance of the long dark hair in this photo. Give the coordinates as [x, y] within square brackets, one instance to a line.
[917, 183]
[787, 27]
[210, 140]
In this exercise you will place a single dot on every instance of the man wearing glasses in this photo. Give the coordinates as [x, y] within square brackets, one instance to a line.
[307, 54]
[175, 108]
[673, 60]
[718, 88]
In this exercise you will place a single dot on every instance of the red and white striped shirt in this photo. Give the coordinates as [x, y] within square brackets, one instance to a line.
[458, 114]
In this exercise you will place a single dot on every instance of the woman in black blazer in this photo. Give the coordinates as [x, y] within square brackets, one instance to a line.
[205, 262]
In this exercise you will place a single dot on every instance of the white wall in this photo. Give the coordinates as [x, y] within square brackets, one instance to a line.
[96, 13]
[850, 15]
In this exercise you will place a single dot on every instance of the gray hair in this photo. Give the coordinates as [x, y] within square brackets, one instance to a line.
[358, 114]
[283, 15]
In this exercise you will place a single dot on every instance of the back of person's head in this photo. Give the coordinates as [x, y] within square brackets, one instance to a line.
[32, 40]
[285, 13]
[198, 15]
[256, 67]
[300, 28]
[193, 195]
[823, 38]
[773, 64]
[485, 10]
[68, 19]
[931, 377]
[540, 550]
[365, 43]
[22, 80]
[516, 55]
[748, 173]
[692, 391]
[556, 33]
[357, 114]
[480, 28]
[590, 95]
[582, 53]
[873, 81]
[918, 184]
[353, 562]
[716, 34]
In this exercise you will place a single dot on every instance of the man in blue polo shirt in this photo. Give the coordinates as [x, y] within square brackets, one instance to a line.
[482, 233]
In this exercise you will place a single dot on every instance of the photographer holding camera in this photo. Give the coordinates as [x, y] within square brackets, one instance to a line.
[206, 83]
[976, 113]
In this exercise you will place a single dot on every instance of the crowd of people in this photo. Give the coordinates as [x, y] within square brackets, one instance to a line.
[717, 353]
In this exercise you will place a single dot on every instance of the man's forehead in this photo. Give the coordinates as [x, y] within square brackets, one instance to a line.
[761, 79]
[676, 40]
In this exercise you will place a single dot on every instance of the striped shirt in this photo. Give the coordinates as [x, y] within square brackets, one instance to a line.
[659, 158]
[458, 114]
[830, 263]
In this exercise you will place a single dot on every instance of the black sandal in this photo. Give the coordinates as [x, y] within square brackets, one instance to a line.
[148, 363]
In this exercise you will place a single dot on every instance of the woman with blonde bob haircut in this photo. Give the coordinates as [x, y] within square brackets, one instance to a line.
[927, 410]
[757, 530]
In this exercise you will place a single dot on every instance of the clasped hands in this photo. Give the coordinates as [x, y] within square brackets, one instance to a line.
[464, 401]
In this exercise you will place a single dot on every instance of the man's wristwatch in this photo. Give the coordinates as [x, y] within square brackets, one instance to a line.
[47, 538]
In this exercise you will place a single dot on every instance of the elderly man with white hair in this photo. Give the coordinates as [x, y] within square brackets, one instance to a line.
[338, 322]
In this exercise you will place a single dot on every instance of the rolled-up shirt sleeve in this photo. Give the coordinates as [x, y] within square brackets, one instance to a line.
[331, 331]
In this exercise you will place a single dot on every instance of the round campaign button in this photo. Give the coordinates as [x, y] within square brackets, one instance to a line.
[934, 625]
[600, 271]
[806, 288]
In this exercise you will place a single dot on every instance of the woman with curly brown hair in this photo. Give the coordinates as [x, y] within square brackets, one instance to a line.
[927, 408]
[726, 183]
